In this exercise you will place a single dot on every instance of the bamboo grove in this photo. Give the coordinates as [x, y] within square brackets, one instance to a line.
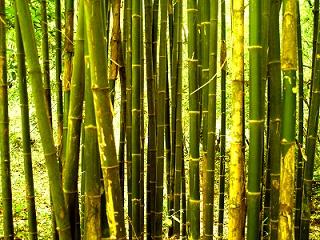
[168, 119]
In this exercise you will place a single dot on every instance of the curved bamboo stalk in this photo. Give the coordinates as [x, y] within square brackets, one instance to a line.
[4, 130]
[103, 111]
[45, 129]
[289, 67]
[24, 106]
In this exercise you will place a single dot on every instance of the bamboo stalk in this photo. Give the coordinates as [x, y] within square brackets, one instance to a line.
[129, 110]
[26, 141]
[288, 66]
[45, 129]
[223, 64]
[151, 152]
[4, 131]
[58, 82]
[274, 88]
[256, 122]
[298, 198]
[45, 56]
[177, 70]
[194, 116]
[237, 187]
[136, 108]
[311, 139]
[103, 111]
[67, 73]
[211, 108]
[161, 94]
[70, 173]
[92, 160]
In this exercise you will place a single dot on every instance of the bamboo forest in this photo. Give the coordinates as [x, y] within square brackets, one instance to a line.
[159, 119]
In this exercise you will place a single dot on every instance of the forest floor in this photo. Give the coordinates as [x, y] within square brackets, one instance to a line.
[43, 201]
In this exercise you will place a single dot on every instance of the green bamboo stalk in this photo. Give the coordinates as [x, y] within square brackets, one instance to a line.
[194, 114]
[183, 198]
[59, 98]
[314, 41]
[153, 164]
[124, 31]
[310, 147]
[67, 73]
[70, 173]
[237, 187]
[45, 56]
[129, 110]
[114, 46]
[170, 132]
[150, 96]
[4, 130]
[122, 143]
[223, 64]
[58, 81]
[155, 28]
[151, 152]
[256, 121]
[177, 71]
[204, 18]
[45, 129]
[92, 160]
[173, 31]
[287, 163]
[274, 88]
[211, 132]
[136, 108]
[265, 172]
[142, 134]
[298, 198]
[267, 181]
[103, 111]
[24, 107]
[82, 197]
[161, 94]
[175, 169]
